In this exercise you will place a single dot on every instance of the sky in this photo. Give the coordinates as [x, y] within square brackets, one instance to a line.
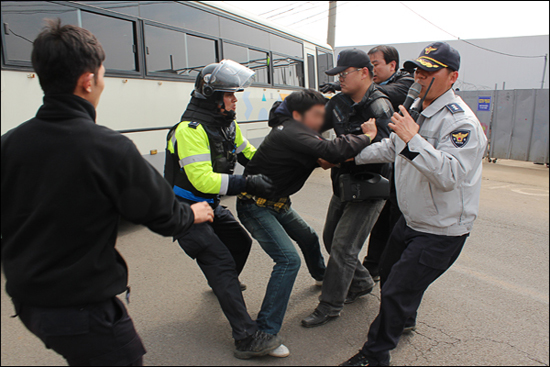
[386, 22]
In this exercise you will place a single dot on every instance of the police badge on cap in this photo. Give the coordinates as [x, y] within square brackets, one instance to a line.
[436, 56]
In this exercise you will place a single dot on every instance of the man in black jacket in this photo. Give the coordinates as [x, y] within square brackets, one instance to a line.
[65, 183]
[287, 156]
[395, 84]
[349, 223]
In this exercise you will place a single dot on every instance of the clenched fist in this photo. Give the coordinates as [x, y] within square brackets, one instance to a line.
[203, 212]
[369, 128]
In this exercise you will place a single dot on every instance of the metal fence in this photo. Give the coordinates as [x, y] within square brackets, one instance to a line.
[515, 121]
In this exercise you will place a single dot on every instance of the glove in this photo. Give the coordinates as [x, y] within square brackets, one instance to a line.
[329, 87]
[260, 185]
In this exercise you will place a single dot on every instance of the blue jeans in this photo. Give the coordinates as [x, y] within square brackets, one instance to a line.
[274, 230]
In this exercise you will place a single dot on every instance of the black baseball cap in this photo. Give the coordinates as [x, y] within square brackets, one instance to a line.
[436, 56]
[351, 58]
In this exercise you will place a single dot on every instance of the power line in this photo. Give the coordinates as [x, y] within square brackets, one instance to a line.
[275, 9]
[324, 11]
[310, 8]
[317, 20]
[468, 42]
[286, 11]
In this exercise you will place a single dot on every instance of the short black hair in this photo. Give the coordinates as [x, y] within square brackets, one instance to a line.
[303, 100]
[390, 54]
[61, 54]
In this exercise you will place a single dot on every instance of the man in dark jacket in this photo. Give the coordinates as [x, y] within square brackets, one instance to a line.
[349, 223]
[65, 183]
[395, 84]
[287, 156]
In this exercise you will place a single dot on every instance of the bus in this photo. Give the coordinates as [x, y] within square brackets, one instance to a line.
[155, 50]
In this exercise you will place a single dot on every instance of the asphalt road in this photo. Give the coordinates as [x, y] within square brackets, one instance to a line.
[490, 308]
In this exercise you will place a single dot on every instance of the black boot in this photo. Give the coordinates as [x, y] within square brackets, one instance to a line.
[362, 360]
[256, 345]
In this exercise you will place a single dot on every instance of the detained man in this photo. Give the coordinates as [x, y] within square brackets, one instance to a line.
[288, 156]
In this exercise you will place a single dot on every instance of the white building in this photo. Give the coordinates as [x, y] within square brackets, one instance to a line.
[483, 70]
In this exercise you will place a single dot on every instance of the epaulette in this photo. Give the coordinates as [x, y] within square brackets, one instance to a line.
[454, 108]
[193, 125]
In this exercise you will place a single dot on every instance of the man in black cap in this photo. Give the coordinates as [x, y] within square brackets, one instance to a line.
[438, 164]
[349, 223]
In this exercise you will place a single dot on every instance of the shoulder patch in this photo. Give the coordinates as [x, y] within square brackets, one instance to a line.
[454, 108]
[193, 125]
[460, 138]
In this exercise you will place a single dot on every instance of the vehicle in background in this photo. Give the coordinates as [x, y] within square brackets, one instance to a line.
[154, 52]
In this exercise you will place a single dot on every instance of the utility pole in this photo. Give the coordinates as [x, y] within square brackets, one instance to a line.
[544, 71]
[331, 32]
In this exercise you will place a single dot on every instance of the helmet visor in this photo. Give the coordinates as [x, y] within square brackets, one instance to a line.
[230, 76]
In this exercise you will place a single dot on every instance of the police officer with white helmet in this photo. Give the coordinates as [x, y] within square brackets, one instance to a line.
[438, 163]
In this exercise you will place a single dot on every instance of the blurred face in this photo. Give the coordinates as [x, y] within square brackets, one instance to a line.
[230, 101]
[354, 81]
[381, 71]
[90, 86]
[312, 118]
[444, 79]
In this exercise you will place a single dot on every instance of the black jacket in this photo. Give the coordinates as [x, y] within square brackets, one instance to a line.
[290, 151]
[397, 87]
[65, 183]
[346, 117]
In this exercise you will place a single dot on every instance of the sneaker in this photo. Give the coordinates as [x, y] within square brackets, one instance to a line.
[281, 352]
[318, 283]
[361, 360]
[353, 296]
[243, 286]
[256, 345]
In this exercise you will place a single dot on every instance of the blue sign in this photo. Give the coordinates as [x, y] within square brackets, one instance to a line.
[484, 103]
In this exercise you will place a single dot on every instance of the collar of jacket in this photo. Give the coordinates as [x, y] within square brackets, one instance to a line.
[206, 112]
[389, 80]
[439, 103]
[64, 107]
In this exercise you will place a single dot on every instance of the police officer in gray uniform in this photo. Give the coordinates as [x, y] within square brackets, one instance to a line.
[438, 163]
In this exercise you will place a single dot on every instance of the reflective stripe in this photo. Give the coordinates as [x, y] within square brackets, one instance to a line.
[242, 146]
[188, 195]
[173, 138]
[225, 183]
[194, 159]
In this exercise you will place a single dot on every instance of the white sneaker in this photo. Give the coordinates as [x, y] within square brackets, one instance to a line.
[280, 352]
[319, 283]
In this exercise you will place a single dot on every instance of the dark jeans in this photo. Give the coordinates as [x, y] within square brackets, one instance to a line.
[99, 334]
[221, 249]
[346, 228]
[411, 262]
[274, 231]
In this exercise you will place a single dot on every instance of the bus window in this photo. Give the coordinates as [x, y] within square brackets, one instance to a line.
[311, 71]
[285, 46]
[124, 7]
[324, 62]
[238, 32]
[180, 15]
[200, 52]
[23, 20]
[116, 37]
[176, 53]
[255, 60]
[287, 71]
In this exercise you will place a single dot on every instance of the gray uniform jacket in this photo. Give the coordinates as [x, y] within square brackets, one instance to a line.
[438, 174]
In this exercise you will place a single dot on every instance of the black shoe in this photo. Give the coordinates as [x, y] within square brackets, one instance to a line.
[359, 360]
[243, 286]
[317, 318]
[352, 296]
[256, 345]
[373, 269]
